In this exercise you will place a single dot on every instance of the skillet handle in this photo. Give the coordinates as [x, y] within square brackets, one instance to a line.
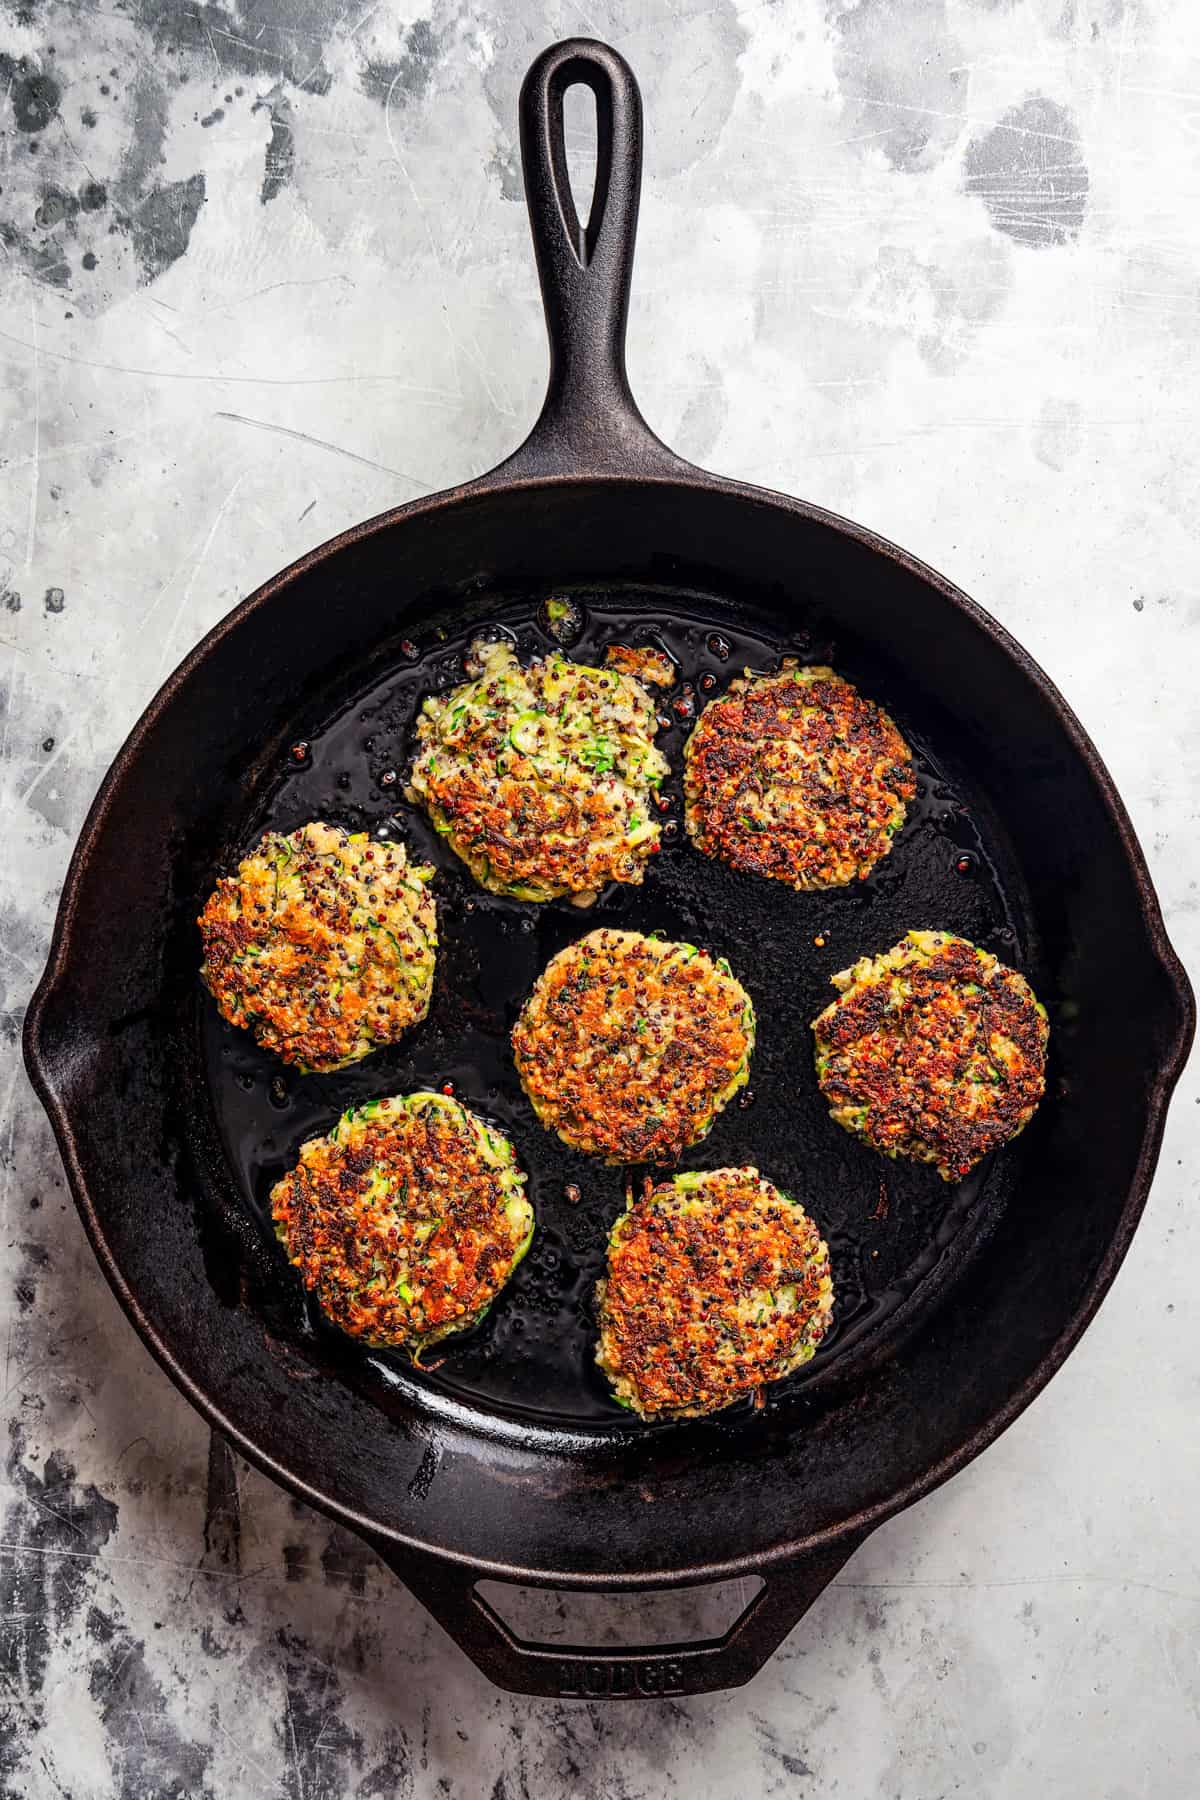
[573, 1671]
[589, 423]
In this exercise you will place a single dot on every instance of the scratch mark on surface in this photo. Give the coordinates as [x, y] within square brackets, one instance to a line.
[7, 1112]
[9, 698]
[173, 335]
[197, 564]
[1025, 1581]
[294, 1748]
[365, 20]
[140, 624]
[15, 1548]
[245, 1755]
[323, 444]
[69, 141]
[35, 478]
[33, 1500]
[403, 167]
[1119, 94]
[965, 118]
[272, 287]
[77, 449]
[499, 404]
[28, 1371]
[112, 1679]
[19, 960]
[215, 375]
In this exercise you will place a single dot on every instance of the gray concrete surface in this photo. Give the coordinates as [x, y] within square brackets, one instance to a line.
[263, 272]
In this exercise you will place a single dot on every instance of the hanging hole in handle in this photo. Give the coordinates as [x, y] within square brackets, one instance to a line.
[581, 141]
[549, 1616]
[581, 153]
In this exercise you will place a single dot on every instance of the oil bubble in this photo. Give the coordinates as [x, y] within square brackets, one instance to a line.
[561, 619]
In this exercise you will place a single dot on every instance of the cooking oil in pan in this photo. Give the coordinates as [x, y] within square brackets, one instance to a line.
[897, 1234]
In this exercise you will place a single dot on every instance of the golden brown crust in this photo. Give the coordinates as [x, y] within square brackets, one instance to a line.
[934, 1051]
[406, 1221]
[323, 944]
[628, 1046]
[798, 777]
[716, 1284]
[542, 778]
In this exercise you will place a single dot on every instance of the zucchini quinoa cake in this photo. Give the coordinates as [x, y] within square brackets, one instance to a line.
[717, 1283]
[323, 944]
[935, 1051]
[406, 1221]
[628, 1046]
[796, 776]
[542, 779]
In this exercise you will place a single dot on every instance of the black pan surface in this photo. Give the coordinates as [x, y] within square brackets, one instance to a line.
[898, 1234]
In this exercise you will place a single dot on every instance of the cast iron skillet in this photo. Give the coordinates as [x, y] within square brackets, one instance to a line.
[955, 1305]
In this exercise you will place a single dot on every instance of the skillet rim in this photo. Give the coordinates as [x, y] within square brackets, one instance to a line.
[1159, 1088]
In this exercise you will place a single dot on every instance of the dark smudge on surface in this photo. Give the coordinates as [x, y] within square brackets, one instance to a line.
[161, 227]
[259, 37]
[407, 78]
[1030, 174]
[33, 94]
[147, 1753]
[58, 1524]
[321, 1754]
[61, 220]
[280, 161]
[903, 79]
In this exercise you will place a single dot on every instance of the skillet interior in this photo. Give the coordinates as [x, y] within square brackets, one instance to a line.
[898, 1234]
[113, 1043]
